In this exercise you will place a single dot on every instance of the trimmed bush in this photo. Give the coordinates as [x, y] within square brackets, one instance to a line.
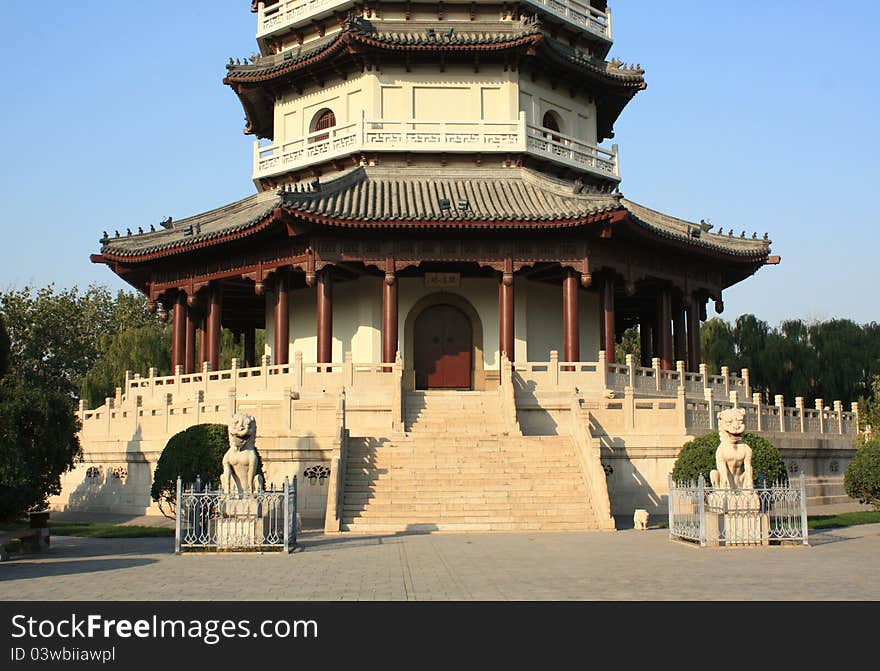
[197, 451]
[862, 477]
[698, 456]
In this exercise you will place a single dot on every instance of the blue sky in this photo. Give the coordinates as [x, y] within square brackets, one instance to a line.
[760, 117]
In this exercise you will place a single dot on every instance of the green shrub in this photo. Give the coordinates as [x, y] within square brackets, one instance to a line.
[698, 456]
[862, 477]
[198, 451]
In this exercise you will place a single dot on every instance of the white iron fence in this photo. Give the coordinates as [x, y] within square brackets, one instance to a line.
[761, 516]
[216, 521]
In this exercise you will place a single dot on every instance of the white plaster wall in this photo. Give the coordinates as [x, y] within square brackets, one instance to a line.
[543, 321]
[357, 318]
[577, 114]
[357, 321]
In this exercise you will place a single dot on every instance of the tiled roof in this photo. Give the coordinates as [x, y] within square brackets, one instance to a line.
[410, 197]
[230, 219]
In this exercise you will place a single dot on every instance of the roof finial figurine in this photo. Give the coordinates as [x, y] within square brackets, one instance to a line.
[754, 236]
[743, 234]
[140, 230]
[152, 228]
[117, 232]
[766, 236]
[166, 223]
[104, 237]
[128, 231]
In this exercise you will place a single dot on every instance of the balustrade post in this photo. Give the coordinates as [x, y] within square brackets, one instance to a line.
[298, 370]
[629, 407]
[108, 403]
[779, 400]
[129, 378]
[153, 373]
[178, 371]
[554, 367]
[709, 395]
[631, 370]
[725, 373]
[118, 397]
[167, 410]
[680, 369]
[206, 368]
[747, 382]
[655, 364]
[602, 368]
[231, 401]
[348, 371]
[734, 398]
[287, 396]
[704, 375]
[264, 364]
[855, 413]
[83, 406]
[820, 407]
[681, 407]
[838, 410]
[799, 404]
[233, 375]
[756, 399]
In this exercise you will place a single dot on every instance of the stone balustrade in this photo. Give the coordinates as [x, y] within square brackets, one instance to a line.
[288, 14]
[646, 397]
[432, 136]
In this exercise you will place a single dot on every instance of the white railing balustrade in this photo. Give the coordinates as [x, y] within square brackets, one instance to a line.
[571, 151]
[768, 514]
[213, 520]
[432, 135]
[579, 13]
[287, 13]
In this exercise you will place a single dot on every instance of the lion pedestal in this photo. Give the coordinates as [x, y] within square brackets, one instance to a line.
[241, 523]
[734, 518]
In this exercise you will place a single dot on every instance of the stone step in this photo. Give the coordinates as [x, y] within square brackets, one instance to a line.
[460, 527]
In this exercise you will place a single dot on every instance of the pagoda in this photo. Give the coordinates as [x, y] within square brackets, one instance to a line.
[444, 265]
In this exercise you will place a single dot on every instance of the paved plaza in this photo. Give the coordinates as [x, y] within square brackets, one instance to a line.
[626, 565]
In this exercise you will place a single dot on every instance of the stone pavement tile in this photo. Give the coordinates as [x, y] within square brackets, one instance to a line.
[626, 565]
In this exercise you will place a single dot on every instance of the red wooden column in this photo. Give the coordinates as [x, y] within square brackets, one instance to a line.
[325, 315]
[190, 347]
[693, 329]
[281, 347]
[664, 329]
[570, 333]
[678, 318]
[212, 326]
[178, 331]
[201, 353]
[506, 310]
[389, 313]
[608, 318]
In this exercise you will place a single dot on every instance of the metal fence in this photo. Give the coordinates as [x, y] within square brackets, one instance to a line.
[216, 521]
[764, 515]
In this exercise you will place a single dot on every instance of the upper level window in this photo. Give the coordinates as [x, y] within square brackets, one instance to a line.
[551, 122]
[323, 120]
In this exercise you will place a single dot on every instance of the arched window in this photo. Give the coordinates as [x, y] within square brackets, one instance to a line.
[323, 120]
[551, 122]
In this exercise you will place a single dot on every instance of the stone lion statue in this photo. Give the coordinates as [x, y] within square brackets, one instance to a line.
[241, 463]
[733, 458]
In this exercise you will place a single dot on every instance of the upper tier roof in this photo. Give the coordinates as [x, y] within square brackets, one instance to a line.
[523, 39]
[391, 197]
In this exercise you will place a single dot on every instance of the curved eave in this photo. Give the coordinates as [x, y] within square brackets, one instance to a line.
[458, 223]
[757, 256]
[186, 246]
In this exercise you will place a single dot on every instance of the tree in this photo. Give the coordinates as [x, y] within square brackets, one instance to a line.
[37, 439]
[4, 349]
[630, 343]
[196, 452]
[862, 477]
[717, 345]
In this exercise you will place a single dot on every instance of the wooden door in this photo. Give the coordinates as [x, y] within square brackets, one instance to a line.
[443, 344]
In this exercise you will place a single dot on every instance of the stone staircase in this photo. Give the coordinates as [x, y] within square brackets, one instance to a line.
[455, 470]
